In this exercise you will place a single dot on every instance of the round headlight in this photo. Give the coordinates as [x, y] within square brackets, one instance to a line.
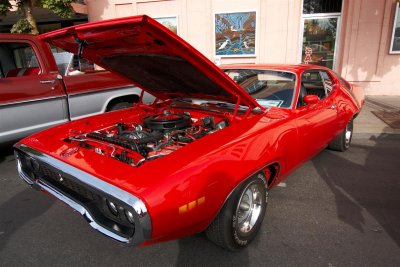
[112, 207]
[129, 216]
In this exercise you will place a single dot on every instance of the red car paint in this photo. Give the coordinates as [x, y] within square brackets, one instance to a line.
[184, 190]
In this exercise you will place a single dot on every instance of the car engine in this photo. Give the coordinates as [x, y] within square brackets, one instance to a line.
[153, 137]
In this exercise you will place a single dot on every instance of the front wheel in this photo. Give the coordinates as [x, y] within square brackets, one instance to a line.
[241, 217]
[342, 141]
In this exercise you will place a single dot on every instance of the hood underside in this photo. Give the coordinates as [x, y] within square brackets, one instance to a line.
[152, 57]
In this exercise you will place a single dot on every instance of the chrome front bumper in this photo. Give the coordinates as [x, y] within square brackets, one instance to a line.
[142, 226]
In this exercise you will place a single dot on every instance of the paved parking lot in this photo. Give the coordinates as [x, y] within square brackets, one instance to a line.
[339, 209]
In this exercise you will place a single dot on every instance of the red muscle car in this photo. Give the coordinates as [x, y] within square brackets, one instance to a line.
[203, 155]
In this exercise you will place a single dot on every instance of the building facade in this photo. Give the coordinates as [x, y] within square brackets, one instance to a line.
[359, 39]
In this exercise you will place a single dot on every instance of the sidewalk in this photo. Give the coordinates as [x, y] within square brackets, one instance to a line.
[367, 124]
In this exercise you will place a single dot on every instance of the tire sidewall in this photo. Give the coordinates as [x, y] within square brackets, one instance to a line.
[240, 239]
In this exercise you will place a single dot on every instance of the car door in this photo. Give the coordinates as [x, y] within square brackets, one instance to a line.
[31, 97]
[316, 122]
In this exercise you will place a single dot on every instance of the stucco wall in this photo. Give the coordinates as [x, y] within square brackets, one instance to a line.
[278, 23]
[365, 46]
[366, 28]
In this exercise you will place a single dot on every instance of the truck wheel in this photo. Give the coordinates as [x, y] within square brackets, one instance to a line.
[120, 105]
[241, 217]
[342, 141]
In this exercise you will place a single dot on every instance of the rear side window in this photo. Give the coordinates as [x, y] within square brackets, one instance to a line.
[18, 59]
[328, 82]
[317, 82]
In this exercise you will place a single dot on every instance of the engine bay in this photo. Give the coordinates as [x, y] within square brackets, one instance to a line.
[153, 136]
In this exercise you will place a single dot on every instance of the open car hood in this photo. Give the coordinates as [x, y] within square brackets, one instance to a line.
[152, 57]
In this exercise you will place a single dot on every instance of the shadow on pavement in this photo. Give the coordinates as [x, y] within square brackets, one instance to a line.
[199, 249]
[360, 184]
[20, 210]
[5, 151]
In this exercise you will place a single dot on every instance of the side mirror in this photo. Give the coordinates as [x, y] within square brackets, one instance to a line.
[310, 99]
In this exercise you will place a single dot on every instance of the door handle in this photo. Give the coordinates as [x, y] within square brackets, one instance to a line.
[48, 81]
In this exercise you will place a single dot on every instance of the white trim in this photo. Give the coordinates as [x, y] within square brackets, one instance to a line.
[395, 20]
[317, 15]
[30, 100]
[256, 35]
[30, 128]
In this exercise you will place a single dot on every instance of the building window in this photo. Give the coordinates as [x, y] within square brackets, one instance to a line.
[321, 25]
[322, 6]
[319, 41]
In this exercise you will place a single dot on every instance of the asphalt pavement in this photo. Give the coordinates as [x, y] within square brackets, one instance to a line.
[338, 209]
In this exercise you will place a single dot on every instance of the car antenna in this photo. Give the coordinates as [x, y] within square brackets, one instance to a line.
[81, 44]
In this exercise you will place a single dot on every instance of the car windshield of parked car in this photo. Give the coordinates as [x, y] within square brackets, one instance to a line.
[270, 88]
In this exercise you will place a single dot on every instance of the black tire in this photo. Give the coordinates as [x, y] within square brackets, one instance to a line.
[228, 229]
[120, 105]
[342, 141]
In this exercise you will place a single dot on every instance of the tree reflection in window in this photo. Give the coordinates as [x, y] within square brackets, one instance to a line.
[322, 6]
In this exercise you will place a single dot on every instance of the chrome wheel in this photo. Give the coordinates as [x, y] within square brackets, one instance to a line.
[241, 217]
[348, 134]
[249, 208]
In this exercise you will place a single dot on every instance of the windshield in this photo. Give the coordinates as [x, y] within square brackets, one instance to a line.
[270, 88]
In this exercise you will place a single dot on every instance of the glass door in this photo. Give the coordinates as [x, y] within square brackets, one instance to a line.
[319, 44]
[320, 32]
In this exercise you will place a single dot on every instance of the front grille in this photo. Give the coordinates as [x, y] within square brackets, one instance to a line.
[87, 196]
[64, 183]
[43, 172]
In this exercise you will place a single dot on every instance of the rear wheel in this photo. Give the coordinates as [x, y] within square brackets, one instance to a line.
[241, 217]
[342, 141]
